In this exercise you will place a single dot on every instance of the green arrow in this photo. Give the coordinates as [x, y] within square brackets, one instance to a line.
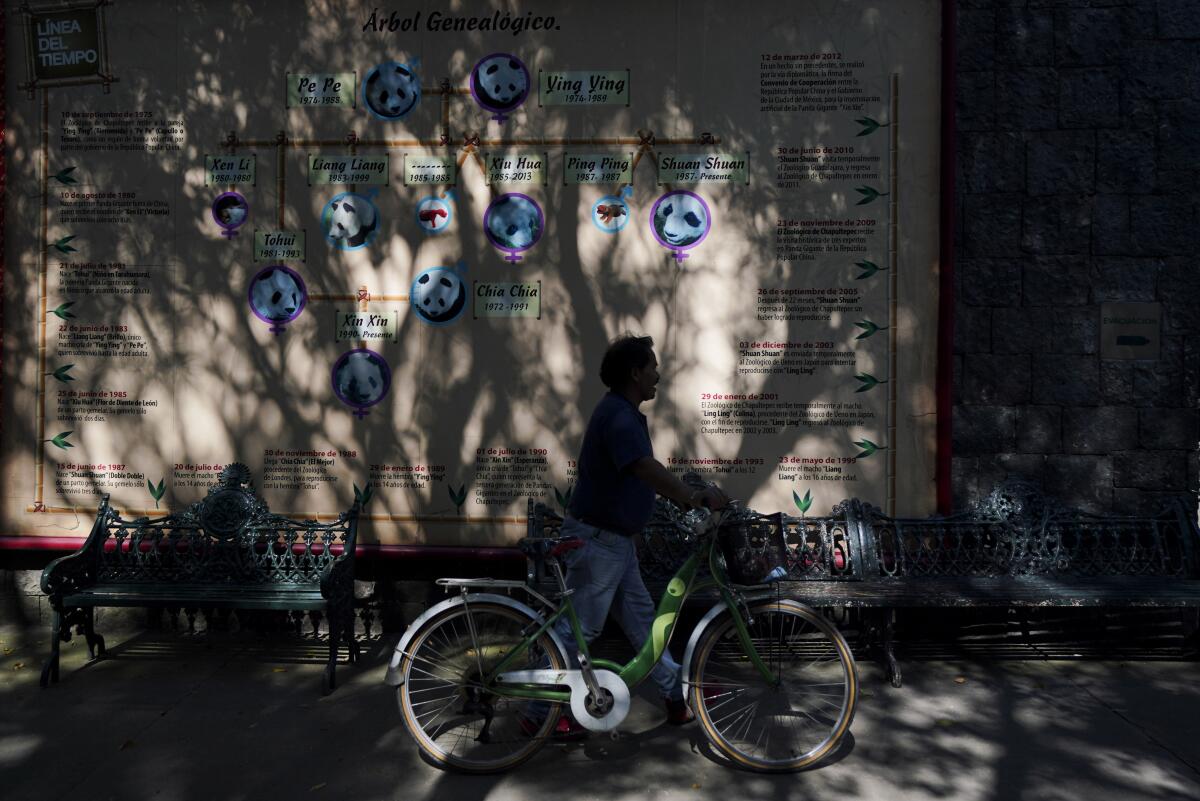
[803, 504]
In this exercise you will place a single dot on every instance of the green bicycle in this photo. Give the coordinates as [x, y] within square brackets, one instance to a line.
[772, 682]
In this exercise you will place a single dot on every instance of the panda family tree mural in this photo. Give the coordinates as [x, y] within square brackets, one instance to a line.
[357, 245]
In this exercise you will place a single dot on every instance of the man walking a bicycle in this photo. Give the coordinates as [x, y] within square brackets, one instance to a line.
[612, 502]
[481, 677]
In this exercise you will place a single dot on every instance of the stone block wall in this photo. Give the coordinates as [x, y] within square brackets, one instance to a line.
[1078, 155]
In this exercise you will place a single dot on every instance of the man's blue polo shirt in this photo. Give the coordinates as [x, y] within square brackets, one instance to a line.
[607, 494]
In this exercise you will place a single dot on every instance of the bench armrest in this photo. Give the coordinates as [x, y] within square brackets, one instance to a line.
[78, 570]
[337, 579]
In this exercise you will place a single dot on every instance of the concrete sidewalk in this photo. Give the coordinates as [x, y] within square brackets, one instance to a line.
[233, 718]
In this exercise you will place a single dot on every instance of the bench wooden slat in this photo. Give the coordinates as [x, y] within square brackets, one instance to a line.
[199, 596]
[1022, 591]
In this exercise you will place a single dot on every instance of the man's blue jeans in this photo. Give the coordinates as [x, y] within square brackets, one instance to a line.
[605, 576]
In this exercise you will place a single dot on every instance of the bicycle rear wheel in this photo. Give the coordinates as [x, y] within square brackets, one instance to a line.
[456, 720]
[786, 726]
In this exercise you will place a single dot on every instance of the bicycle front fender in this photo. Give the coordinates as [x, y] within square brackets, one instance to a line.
[708, 620]
[394, 677]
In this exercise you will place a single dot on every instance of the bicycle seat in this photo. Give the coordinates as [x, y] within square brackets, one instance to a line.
[540, 547]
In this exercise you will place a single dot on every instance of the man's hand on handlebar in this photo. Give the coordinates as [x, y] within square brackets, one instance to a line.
[711, 497]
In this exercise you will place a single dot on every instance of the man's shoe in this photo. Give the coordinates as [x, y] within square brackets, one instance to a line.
[565, 729]
[678, 713]
[568, 729]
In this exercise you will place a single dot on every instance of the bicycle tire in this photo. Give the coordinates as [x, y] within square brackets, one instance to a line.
[455, 721]
[787, 727]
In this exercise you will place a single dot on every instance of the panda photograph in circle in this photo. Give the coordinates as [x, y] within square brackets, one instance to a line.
[349, 221]
[438, 296]
[680, 220]
[499, 84]
[391, 90]
[230, 211]
[361, 379]
[513, 223]
[277, 296]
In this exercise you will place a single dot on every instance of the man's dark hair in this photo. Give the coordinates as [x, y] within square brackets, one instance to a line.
[625, 354]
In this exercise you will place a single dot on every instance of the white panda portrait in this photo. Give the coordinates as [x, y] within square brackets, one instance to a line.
[501, 82]
[391, 90]
[351, 220]
[439, 295]
[680, 219]
[514, 222]
[277, 296]
[360, 380]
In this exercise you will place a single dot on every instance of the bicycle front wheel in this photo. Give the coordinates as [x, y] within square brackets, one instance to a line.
[790, 724]
[457, 720]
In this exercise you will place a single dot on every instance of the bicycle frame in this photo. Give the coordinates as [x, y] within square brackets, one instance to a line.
[680, 587]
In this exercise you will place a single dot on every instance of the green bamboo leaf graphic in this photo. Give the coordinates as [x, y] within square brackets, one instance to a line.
[156, 492]
[869, 328]
[459, 495]
[563, 498]
[64, 176]
[870, 126]
[357, 494]
[60, 440]
[368, 493]
[805, 503]
[869, 382]
[869, 268]
[869, 194]
[62, 313]
[62, 247]
[63, 373]
[868, 448]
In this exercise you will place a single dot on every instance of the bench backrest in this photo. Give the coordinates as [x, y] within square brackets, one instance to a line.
[818, 548]
[1015, 531]
[230, 537]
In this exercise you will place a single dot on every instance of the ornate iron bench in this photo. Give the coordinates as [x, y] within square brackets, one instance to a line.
[227, 551]
[1014, 549]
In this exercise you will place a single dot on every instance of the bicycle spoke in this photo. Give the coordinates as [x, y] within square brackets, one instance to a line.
[784, 724]
[454, 716]
[736, 714]
[429, 701]
[437, 713]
